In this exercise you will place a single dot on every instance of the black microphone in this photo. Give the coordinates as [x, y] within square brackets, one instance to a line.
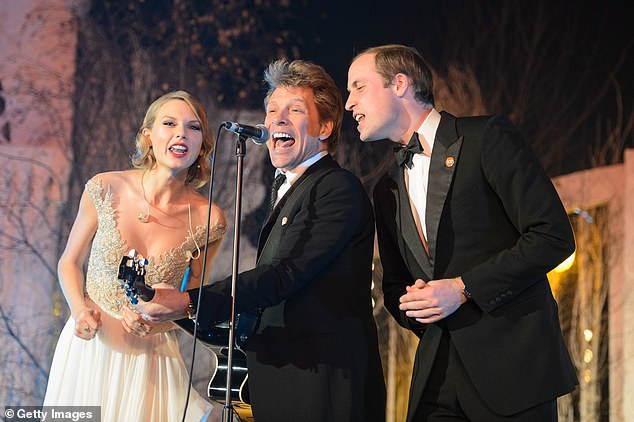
[259, 134]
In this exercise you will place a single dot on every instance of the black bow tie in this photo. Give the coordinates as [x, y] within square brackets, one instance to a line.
[405, 155]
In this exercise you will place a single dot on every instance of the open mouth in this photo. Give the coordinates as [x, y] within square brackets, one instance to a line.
[359, 117]
[179, 149]
[282, 139]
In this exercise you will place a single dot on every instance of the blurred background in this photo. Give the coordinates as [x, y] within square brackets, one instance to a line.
[77, 75]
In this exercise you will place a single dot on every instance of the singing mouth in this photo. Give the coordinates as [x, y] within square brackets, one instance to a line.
[179, 149]
[282, 139]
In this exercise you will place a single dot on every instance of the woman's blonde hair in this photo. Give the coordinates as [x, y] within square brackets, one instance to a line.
[143, 157]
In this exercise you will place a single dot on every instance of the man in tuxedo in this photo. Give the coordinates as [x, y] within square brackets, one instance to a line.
[468, 226]
[314, 355]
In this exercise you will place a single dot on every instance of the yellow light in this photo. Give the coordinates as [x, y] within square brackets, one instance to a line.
[587, 335]
[587, 356]
[587, 376]
[565, 266]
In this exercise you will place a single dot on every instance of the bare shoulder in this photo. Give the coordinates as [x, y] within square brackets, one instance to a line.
[201, 205]
[115, 177]
[217, 216]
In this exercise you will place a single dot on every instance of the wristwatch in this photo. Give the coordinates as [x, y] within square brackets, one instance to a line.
[466, 293]
[191, 310]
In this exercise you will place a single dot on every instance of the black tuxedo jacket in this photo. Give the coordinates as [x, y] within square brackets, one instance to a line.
[494, 218]
[314, 355]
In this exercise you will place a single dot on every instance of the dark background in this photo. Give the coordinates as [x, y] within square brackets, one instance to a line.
[561, 70]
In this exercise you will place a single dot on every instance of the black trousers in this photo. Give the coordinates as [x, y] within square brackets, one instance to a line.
[450, 395]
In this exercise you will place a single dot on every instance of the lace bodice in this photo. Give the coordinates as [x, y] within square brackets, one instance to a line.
[108, 247]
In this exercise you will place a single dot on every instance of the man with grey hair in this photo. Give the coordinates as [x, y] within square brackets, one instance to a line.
[314, 355]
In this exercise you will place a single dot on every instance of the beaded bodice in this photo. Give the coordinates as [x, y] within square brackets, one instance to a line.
[108, 247]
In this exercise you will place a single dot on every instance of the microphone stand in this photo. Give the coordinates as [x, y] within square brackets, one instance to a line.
[227, 410]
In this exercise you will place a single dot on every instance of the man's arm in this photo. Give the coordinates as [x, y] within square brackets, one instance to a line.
[532, 205]
[168, 304]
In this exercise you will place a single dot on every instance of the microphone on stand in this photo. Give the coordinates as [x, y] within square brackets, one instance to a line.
[259, 134]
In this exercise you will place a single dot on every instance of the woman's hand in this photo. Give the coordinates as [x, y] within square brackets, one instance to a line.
[87, 323]
[134, 323]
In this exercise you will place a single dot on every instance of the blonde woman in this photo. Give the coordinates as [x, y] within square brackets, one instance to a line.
[104, 356]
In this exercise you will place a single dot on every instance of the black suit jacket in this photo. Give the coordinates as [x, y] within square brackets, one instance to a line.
[314, 356]
[494, 218]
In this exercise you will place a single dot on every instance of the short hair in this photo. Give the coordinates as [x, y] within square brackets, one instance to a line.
[143, 157]
[300, 73]
[392, 59]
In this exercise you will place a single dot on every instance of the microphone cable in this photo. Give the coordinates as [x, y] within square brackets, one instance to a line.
[204, 269]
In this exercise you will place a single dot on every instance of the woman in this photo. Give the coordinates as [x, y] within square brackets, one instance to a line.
[104, 356]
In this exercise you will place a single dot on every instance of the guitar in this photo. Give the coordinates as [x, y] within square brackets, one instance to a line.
[132, 276]
[216, 338]
[217, 388]
[131, 273]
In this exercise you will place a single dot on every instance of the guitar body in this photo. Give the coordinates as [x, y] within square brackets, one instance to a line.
[218, 335]
[216, 338]
[240, 399]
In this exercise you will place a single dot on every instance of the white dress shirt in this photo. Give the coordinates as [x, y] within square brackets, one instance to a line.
[417, 178]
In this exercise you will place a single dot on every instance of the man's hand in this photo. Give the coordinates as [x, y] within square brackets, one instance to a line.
[167, 304]
[432, 301]
[134, 323]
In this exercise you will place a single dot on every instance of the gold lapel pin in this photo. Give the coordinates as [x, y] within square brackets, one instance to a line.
[284, 221]
[449, 162]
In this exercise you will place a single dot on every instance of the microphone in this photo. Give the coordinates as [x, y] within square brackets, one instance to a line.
[258, 133]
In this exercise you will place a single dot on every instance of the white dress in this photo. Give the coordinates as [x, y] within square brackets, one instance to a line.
[131, 378]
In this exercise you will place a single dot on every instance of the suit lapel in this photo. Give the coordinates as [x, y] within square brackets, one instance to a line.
[271, 219]
[444, 160]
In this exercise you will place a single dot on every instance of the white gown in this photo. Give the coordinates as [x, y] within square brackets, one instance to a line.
[131, 378]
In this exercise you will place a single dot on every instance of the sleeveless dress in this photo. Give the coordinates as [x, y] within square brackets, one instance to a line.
[131, 378]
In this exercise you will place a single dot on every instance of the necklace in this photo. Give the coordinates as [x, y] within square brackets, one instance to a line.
[144, 218]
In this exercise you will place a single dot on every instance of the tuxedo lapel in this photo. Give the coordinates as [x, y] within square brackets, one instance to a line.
[444, 160]
[405, 222]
